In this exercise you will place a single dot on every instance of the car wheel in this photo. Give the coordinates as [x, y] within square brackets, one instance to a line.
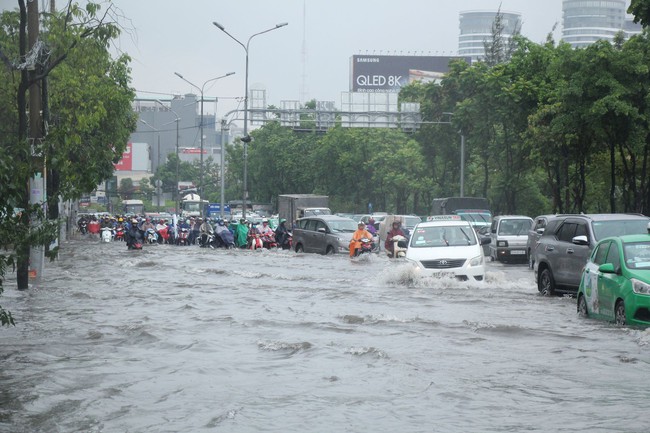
[330, 250]
[299, 248]
[619, 313]
[582, 306]
[546, 284]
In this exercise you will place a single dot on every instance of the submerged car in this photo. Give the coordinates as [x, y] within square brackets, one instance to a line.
[567, 243]
[509, 234]
[325, 234]
[447, 246]
[615, 283]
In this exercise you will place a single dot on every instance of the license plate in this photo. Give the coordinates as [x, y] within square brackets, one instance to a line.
[444, 275]
[517, 252]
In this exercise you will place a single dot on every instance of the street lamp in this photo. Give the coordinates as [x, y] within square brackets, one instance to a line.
[176, 120]
[200, 89]
[246, 139]
[157, 132]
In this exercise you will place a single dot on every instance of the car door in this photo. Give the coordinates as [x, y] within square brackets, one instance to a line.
[591, 277]
[320, 237]
[308, 237]
[609, 283]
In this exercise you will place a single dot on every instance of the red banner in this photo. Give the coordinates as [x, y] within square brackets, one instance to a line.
[126, 163]
[194, 150]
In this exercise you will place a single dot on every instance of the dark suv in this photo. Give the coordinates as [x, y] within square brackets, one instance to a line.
[567, 242]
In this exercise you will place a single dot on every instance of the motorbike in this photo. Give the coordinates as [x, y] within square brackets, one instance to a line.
[83, 227]
[151, 236]
[400, 244]
[107, 234]
[269, 242]
[119, 234]
[255, 242]
[363, 246]
[227, 239]
[163, 234]
[183, 236]
[206, 239]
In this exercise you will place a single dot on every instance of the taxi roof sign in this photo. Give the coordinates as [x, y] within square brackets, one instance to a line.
[444, 218]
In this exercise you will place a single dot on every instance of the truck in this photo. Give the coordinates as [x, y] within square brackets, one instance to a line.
[193, 206]
[476, 210]
[294, 206]
[133, 207]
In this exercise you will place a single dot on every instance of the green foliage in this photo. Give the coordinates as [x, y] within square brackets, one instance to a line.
[90, 120]
[641, 11]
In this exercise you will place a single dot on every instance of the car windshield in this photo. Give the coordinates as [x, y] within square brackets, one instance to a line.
[443, 236]
[637, 255]
[606, 229]
[342, 226]
[515, 227]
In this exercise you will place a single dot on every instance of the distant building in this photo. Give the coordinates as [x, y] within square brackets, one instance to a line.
[476, 28]
[587, 21]
[157, 127]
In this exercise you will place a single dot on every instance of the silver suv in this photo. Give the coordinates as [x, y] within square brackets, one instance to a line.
[325, 234]
[566, 244]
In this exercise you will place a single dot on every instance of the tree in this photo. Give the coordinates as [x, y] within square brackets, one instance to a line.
[88, 107]
[641, 11]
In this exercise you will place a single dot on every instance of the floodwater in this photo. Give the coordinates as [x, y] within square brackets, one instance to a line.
[184, 339]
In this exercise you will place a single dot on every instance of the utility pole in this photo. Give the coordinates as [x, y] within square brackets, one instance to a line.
[36, 191]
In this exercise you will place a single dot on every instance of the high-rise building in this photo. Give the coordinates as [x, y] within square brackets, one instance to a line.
[587, 21]
[476, 28]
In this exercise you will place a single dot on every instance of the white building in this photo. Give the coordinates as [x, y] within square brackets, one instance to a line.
[587, 21]
[476, 29]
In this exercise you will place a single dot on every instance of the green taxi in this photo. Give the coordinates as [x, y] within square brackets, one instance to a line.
[615, 282]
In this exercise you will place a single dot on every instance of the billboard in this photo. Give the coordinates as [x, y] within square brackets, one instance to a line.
[382, 74]
[135, 158]
[126, 163]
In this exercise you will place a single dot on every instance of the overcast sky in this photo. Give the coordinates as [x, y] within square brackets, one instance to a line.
[178, 36]
[170, 36]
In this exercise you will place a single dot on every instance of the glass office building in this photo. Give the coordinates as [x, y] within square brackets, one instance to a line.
[476, 28]
[587, 21]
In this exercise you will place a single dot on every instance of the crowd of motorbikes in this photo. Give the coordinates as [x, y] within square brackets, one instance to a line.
[137, 231]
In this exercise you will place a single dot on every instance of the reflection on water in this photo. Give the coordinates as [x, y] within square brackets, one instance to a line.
[186, 339]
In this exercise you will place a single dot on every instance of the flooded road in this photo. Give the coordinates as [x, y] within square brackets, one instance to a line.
[173, 339]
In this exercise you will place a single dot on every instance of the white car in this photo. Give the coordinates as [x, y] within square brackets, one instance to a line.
[447, 246]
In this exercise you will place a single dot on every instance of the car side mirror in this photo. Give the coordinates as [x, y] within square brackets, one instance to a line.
[607, 268]
[322, 230]
[485, 241]
[580, 240]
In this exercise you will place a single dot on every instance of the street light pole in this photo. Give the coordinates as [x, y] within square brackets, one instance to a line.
[177, 204]
[201, 89]
[246, 139]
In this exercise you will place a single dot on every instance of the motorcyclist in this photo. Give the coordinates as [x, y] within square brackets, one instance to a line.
[266, 232]
[282, 235]
[360, 233]
[133, 236]
[241, 237]
[206, 232]
[371, 227]
[163, 231]
[396, 230]
[254, 237]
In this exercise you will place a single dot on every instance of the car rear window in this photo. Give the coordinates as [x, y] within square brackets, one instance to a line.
[605, 229]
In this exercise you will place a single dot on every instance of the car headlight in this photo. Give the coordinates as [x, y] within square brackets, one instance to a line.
[502, 243]
[640, 287]
[476, 261]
